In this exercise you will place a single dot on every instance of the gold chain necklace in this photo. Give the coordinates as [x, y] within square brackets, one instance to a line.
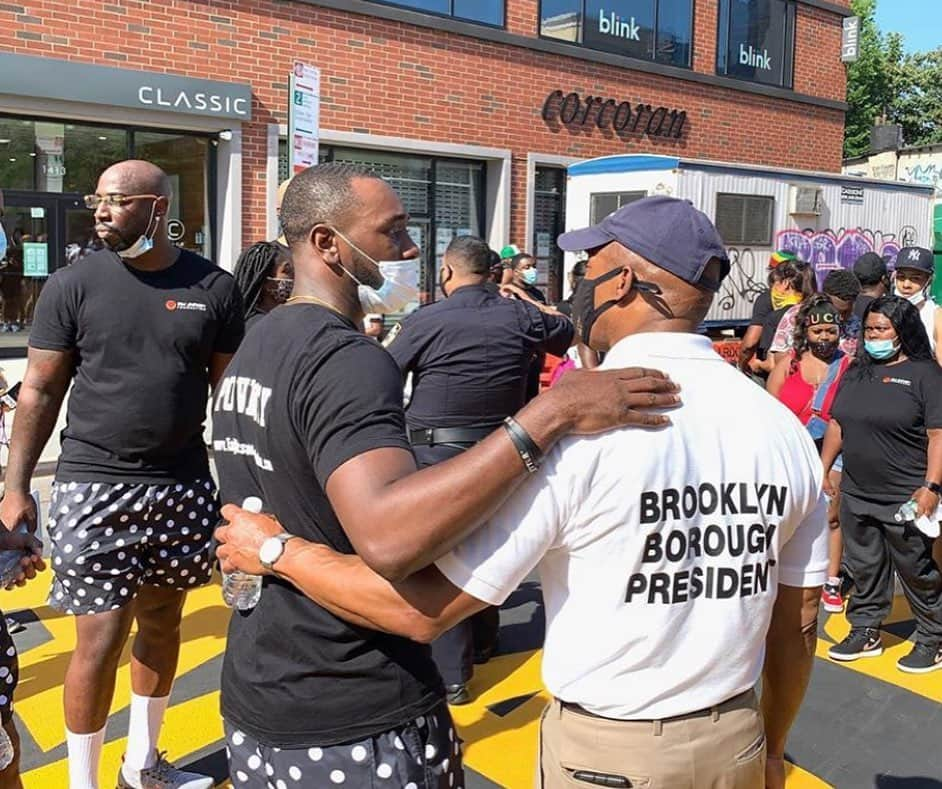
[312, 300]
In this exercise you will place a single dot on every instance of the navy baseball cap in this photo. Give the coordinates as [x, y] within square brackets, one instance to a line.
[668, 232]
[918, 258]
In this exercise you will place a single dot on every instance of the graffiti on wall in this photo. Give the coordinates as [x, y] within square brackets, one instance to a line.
[741, 285]
[829, 249]
[928, 174]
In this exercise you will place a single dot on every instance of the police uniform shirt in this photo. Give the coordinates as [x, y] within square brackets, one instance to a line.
[660, 551]
[469, 356]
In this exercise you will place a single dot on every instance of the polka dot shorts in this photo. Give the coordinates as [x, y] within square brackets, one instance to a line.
[423, 754]
[109, 539]
[9, 671]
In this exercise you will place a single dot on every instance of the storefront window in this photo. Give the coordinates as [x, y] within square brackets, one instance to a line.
[658, 30]
[757, 40]
[490, 12]
[183, 157]
[46, 166]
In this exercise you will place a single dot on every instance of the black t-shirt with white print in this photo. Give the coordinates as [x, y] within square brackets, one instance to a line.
[884, 418]
[142, 344]
[298, 401]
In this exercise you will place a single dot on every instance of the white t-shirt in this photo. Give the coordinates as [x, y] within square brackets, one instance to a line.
[660, 551]
[927, 313]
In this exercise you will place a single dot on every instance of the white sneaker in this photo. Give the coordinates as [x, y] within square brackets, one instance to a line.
[162, 775]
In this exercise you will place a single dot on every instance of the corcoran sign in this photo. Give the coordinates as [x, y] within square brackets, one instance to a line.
[48, 78]
[571, 109]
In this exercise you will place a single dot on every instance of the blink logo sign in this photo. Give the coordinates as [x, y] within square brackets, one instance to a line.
[611, 24]
[754, 58]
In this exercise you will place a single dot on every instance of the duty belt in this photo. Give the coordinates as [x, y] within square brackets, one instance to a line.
[429, 437]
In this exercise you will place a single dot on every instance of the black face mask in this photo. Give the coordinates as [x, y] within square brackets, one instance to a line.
[442, 281]
[584, 311]
[824, 350]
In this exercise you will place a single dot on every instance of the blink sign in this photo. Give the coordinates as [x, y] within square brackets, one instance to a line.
[757, 40]
[47, 78]
[622, 26]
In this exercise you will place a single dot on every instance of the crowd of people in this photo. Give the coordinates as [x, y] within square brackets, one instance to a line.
[680, 560]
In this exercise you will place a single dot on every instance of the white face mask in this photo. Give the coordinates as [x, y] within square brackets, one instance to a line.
[400, 286]
[144, 243]
[916, 299]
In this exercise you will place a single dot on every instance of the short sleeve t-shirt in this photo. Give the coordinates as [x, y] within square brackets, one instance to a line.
[143, 342]
[660, 552]
[884, 418]
[299, 400]
[761, 308]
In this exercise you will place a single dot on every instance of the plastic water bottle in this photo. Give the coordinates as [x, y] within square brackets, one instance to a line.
[907, 512]
[241, 590]
[6, 749]
[10, 566]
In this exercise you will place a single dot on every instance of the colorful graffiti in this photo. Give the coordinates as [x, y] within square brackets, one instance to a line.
[928, 174]
[829, 249]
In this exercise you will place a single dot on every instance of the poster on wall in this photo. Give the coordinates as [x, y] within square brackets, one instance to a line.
[543, 245]
[304, 107]
[35, 259]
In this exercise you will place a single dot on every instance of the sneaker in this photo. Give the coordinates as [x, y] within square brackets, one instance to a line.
[831, 599]
[860, 642]
[921, 660]
[163, 775]
[457, 695]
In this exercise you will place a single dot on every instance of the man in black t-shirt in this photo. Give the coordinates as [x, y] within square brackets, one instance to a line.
[309, 419]
[141, 329]
[870, 270]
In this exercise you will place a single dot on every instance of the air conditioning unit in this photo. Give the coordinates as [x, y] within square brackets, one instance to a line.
[805, 201]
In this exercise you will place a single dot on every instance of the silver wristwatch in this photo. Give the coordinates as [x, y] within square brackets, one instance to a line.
[272, 549]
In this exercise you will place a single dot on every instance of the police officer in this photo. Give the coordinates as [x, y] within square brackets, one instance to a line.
[469, 356]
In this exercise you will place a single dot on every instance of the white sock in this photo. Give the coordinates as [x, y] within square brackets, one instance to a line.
[834, 581]
[84, 755]
[147, 714]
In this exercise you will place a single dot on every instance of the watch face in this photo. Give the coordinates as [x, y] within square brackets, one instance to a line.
[271, 550]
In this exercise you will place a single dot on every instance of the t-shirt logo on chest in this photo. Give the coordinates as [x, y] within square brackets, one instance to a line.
[177, 306]
[900, 381]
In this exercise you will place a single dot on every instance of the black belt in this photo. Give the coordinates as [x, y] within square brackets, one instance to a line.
[429, 437]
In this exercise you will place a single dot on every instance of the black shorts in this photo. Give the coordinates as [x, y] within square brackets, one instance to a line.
[109, 539]
[423, 754]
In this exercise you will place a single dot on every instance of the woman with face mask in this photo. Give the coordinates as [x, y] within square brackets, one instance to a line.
[790, 283]
[887, 420]
[265, 278]
[807, 383]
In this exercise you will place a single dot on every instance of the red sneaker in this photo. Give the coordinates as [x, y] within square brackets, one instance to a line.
[831, 599]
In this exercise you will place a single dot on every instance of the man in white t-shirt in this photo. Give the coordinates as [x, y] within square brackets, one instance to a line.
[915, 268]
[669, 559]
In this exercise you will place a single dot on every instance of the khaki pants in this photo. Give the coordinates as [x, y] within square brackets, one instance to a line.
[719, 748]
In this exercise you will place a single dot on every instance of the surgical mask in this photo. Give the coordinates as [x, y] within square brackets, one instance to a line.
[400, 286]
[145, 242]
[787, 299]
[881, 349]
[916, 299]
[529, 276]
[280, 288]
[3, 243]
[584, 311]
[824, 350]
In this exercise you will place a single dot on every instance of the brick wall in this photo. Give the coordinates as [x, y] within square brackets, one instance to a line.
[393, 79]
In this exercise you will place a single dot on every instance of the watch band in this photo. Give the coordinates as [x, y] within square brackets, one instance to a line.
[935, 487]
[282, 538]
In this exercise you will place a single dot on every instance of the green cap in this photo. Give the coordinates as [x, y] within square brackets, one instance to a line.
[509, 251]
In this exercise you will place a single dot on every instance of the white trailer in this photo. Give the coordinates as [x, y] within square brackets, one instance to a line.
[827, 219]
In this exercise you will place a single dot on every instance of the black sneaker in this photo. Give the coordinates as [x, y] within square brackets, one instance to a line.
[860, 642]
[921, 660]
[457, 695]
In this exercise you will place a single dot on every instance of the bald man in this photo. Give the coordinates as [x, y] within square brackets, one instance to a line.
[142, 329]
[668, 559]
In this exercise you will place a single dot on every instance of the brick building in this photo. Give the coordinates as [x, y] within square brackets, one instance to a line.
[472, 108]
